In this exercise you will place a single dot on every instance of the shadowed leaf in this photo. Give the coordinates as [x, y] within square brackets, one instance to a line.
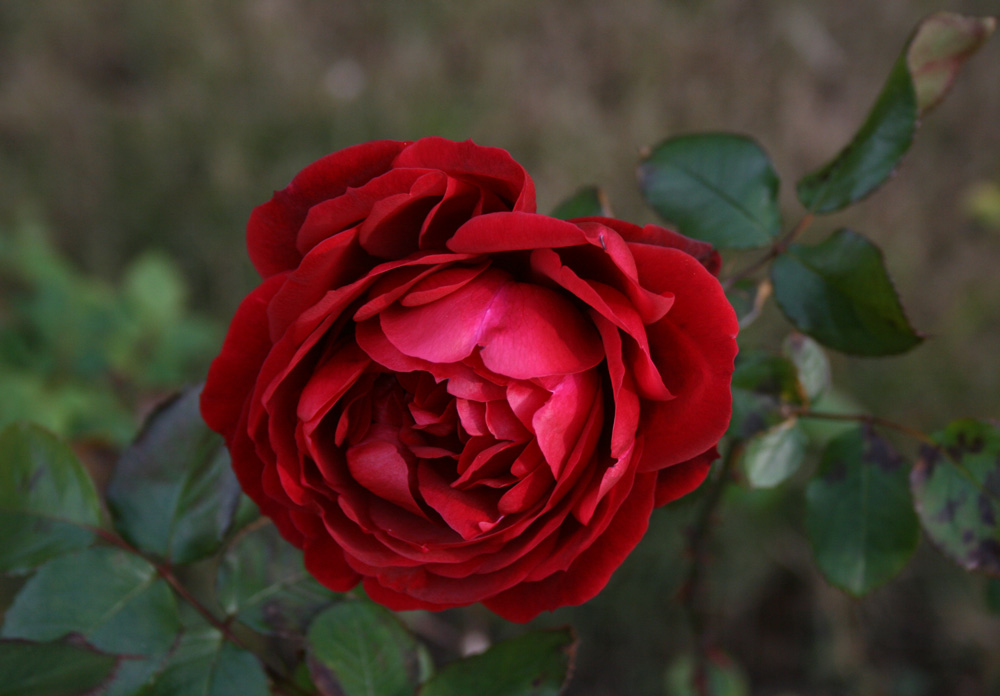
[361, 649]
[859, 516]
[716, 187]
[206, 665]
[63, 668]
[956, 488]
[173, 493]
[721, 677]
[839, 292]
[535, 664]
[263, 584]
[47, 499]
[918, 81]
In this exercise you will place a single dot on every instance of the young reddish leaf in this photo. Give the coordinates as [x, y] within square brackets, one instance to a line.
[173, 493]
[589, 201]
[839, 292]
[63, 668]
[48, 503]
[717, 187]
[535, 664]
[859, 516]
[939, 47]
[956, 487]
[918, 81]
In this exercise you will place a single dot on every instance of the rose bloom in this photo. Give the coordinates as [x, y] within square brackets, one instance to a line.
[441, 394]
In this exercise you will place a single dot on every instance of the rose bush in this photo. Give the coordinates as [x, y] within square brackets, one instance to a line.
[441, 394]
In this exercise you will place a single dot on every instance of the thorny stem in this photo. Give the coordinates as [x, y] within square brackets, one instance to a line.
[692, 590]
[282, 685]
[776, 250]
[867, 419]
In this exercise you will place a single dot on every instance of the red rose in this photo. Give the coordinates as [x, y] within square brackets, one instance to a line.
[452, 399]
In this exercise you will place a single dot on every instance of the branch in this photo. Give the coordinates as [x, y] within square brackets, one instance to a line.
[777, 249]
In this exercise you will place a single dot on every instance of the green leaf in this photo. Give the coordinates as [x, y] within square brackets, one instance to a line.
[762, 383]
[811, 363]
[362, 649]
[116, 600]
[747, 298]
[956, 487]
[589, 201]
[722, 677]
[859, 516]
[263, 583]
[64, 668]
[939, 47]
[917, 82]
[48, 503]
[206, 665]
[716, 187]
[535, 664]
[839, 292]
[774, 454]
[173, 493]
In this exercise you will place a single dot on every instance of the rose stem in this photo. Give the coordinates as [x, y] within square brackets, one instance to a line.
[777, 249]
[692, 589]
[166, 572]
[868, 420]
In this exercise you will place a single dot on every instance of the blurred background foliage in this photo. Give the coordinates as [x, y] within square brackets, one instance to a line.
[135, 138]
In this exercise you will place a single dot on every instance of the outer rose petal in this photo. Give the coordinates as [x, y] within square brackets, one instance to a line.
[680, 479]
[274, 226]
[592, 569]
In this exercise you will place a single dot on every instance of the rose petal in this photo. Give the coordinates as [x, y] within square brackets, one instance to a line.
[680, 479]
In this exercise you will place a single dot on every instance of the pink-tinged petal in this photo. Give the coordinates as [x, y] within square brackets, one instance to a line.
[525, 399]
[680, 479]
[592, 569]
[337, 372]
[497, 232]
[233, 373]
[273, 227]
[372, 341]
[446, 330]
[466, 384]
[441, 283]
[613, 306]
[613, 474]
[490, 466]
[531, 331]
[329, 217]
[527, 493]
[381, 469]
[462, 510]
[490, 167]
[502, 422]
[324, 560]
[472, 415]
[696, 344]
[558, 423]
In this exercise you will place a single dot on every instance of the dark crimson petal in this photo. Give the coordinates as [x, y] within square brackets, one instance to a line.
[273, 227]
[696, 344]
[392, 228]
[680, 479]
[325, 561]
[591, 570]
[558, 423]
[491, 167]
[383, 470]
[660, 236]
[488, 234]
[234, 371]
